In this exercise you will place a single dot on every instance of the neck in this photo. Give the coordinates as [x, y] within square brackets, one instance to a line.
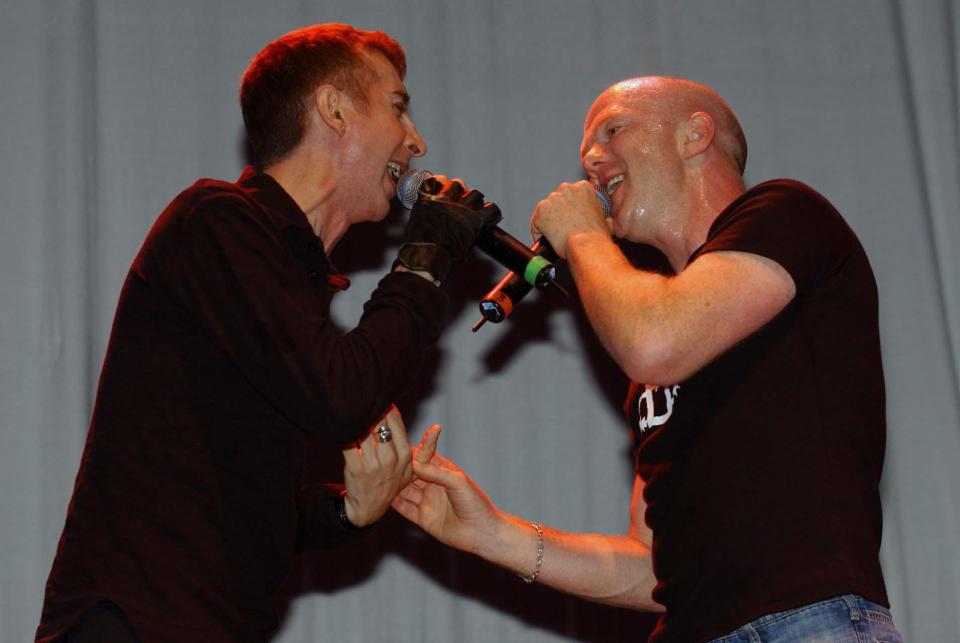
[312, 184]
[702, 200]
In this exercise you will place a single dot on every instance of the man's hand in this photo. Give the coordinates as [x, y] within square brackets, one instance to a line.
[443, 228]
[446, 503]
[375, 471]
[572, 208]
[449, 506]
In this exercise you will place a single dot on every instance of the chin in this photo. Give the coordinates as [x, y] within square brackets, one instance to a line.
[617, 229]
[381, 212]
[370, 215]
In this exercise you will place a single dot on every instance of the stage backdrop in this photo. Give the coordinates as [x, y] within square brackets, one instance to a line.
[109, 108]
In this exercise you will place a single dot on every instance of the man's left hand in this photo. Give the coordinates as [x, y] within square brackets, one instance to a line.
[375, 469]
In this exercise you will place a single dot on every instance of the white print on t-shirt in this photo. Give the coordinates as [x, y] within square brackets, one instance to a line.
[646, 406]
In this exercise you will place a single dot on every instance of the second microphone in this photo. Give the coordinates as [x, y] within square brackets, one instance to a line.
[496, 243]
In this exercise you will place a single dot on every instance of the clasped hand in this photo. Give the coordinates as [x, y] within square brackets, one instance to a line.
[443, 501]
[443, 228]
[375, 471]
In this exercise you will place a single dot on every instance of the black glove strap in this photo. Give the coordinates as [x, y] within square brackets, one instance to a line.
[428, 257]
[443, 228]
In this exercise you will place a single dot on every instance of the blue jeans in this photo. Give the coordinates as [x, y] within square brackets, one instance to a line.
[844, 619]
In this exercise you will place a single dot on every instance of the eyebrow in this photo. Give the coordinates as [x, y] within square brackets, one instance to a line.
[598, 125]
[404, 96]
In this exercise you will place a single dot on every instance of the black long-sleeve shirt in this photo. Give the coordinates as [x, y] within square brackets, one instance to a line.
[188, 505]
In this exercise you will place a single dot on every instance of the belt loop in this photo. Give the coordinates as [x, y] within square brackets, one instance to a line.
[853, 605]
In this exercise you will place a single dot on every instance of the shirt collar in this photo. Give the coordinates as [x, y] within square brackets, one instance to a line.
[279, 205]
[285, 212]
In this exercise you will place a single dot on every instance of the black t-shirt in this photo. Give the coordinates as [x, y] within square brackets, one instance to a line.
[761, 470]
[191, 498]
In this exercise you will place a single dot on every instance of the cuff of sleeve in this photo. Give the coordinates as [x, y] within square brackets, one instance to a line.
[341, 506]
[426, 257]
[422, 302]
[318, 522]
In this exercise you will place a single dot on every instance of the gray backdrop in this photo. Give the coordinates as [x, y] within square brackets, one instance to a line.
[110, 108]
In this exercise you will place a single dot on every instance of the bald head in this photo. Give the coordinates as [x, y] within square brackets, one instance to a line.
[673, 101]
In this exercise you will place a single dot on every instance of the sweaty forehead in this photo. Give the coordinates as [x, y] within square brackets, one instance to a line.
[598, 111]
[622, 98]
[625, 96]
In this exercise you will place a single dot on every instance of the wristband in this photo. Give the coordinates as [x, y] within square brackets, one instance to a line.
[341, 503]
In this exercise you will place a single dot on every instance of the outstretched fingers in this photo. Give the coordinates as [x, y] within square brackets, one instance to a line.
[428, 444]
[438, 471]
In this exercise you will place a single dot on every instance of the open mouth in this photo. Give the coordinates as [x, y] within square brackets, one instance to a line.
[394, 170]
[613, 184]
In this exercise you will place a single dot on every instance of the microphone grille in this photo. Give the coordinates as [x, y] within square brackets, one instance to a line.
[604, 202]
[408, 185]
[411, 180]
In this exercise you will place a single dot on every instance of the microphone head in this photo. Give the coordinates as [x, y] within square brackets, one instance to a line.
[411, 180]
[408, 185]
[604, 202]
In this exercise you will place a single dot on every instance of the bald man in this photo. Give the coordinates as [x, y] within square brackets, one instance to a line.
[757, 402]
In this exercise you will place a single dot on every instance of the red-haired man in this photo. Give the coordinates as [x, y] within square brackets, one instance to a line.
[222, 360]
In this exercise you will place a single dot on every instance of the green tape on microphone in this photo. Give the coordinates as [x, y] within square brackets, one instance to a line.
[534, 266]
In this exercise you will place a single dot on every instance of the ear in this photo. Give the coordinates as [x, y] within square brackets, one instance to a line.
[329, 103]
[696, 134]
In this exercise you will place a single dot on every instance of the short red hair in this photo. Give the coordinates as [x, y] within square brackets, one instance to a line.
[278, 84]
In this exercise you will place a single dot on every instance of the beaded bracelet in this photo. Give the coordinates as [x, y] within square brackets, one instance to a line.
[536, 572]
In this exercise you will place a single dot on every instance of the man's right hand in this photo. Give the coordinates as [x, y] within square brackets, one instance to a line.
[443, 228]
[448, 505]
[444, 502]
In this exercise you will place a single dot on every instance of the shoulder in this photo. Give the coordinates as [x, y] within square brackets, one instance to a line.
[784, 187]
[784, 209]
[207, 197]
[205, 219]
[210, 203]
[786, 197]
[788, 222]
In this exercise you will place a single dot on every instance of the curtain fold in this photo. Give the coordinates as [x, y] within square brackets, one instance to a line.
[927, 42]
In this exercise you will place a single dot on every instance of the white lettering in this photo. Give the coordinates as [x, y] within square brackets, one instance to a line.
[648, 416]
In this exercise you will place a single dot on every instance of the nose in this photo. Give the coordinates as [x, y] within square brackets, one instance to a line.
[592, 159]
[415, 142]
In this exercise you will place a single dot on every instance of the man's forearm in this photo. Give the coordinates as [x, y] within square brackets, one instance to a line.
[627, 308]
[616, 570]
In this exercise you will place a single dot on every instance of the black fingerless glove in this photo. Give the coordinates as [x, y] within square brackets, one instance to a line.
[443, 228]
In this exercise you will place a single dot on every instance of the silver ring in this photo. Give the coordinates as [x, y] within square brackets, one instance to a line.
[384, 434]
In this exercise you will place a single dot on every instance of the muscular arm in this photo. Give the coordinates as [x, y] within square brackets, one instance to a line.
[661, 330]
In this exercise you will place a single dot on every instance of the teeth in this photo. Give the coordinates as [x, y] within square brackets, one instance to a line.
[394, 170]
[613, 183]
